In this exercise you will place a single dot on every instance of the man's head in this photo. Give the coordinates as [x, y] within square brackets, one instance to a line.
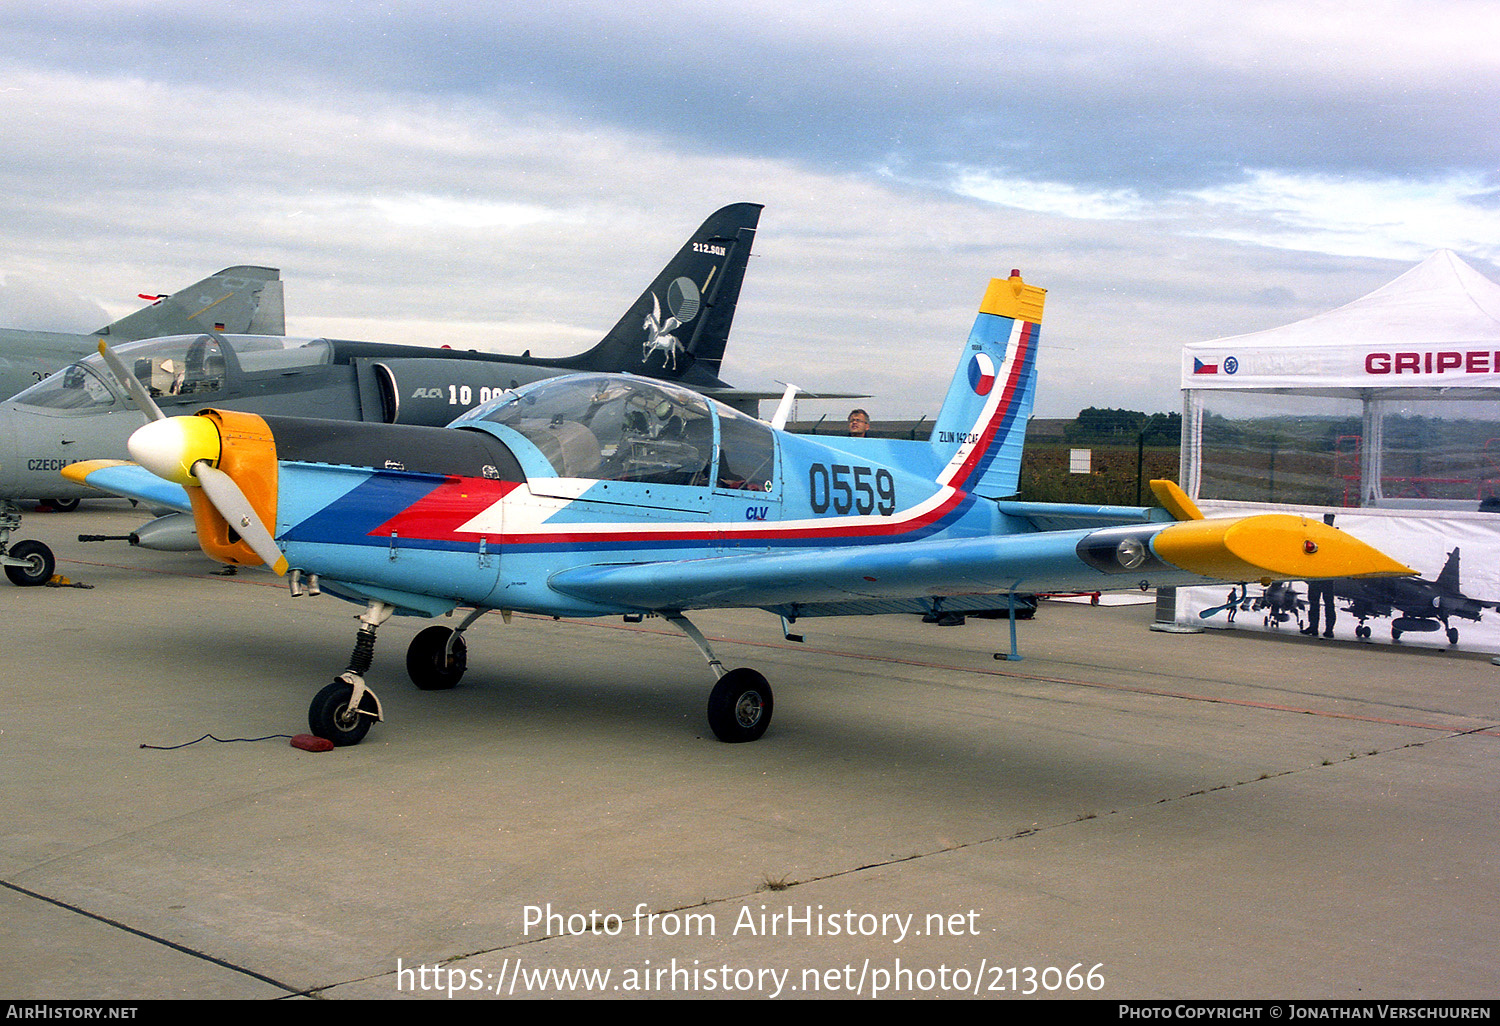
[859, 423]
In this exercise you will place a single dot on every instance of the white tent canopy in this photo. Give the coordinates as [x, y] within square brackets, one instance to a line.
[1435, 327]
[1431, 334]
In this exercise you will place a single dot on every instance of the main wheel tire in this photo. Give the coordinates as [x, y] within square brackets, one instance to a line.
[329, 715]
[62, 505]
[39, 564]
[739, 707]
[427, 667]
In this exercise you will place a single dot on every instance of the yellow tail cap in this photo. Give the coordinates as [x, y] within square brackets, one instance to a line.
[1012, 297]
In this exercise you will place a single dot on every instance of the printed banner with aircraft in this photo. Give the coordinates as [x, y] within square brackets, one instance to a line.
[1454, 603]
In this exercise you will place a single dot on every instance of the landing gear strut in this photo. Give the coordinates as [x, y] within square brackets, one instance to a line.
[343, 711]
[740, 705]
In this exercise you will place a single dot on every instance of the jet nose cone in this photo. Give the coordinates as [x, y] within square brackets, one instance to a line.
[169, 448]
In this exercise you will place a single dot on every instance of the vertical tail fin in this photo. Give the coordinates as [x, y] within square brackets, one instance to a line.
[981, 427]
[1447, 578]
[236, 301]
[678, 328]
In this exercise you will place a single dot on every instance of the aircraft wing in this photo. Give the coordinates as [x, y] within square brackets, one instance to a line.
[129, 481]
[1270, 546]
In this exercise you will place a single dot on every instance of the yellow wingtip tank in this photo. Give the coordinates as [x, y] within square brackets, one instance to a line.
[1271, 547]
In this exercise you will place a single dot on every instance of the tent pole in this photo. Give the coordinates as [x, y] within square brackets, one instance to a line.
[1372, 453]
[1190, 456]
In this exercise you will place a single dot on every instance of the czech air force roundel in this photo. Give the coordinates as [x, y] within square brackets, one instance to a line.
[981, 374]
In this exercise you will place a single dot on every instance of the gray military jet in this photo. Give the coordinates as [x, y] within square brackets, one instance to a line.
[1414, 606]
[676, 330]
[237, 300]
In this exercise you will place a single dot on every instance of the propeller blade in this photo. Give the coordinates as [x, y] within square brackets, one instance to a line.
[130, 383]
[236, 510]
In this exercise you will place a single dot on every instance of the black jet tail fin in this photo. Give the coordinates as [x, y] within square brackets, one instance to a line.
[678, 328]
[1447, 578]
[236, 301]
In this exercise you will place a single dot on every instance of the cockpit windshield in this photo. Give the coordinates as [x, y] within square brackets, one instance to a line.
[76, 388]
[177, 365]
[611, 428]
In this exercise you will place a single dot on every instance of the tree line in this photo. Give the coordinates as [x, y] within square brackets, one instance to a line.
[1118, 427]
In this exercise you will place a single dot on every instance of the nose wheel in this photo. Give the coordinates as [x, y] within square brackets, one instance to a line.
[343, 711]
[335, 714]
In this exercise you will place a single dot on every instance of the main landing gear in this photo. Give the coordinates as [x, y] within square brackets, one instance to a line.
[27, 563]
[739, 706]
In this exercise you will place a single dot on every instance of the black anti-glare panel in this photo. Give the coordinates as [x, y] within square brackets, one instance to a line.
[418, 450]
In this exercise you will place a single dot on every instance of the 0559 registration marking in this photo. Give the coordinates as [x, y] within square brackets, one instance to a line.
[851, 489]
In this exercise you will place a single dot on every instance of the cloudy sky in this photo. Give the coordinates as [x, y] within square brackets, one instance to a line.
[508, 176]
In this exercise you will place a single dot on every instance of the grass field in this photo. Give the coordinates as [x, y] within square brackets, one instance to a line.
[1112, 481]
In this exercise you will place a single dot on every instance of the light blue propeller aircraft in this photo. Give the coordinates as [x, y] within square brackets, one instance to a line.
[615, 495]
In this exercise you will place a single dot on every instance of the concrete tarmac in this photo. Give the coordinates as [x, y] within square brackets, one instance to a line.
[1123, 814]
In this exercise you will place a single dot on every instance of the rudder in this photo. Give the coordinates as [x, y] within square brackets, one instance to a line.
[981, 428]
[239, 300]
[679, 326]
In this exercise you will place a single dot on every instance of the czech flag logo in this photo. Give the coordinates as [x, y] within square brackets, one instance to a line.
[981, 374]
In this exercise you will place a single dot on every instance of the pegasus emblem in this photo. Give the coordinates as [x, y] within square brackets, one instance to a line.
[684, 302]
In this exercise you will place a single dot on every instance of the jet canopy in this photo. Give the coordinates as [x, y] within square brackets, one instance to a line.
[175, 365]
[624, 428]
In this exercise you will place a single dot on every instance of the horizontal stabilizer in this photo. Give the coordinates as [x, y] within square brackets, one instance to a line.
[748, 400]
[1175, 501]
[1058, 516]
[237, 301]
